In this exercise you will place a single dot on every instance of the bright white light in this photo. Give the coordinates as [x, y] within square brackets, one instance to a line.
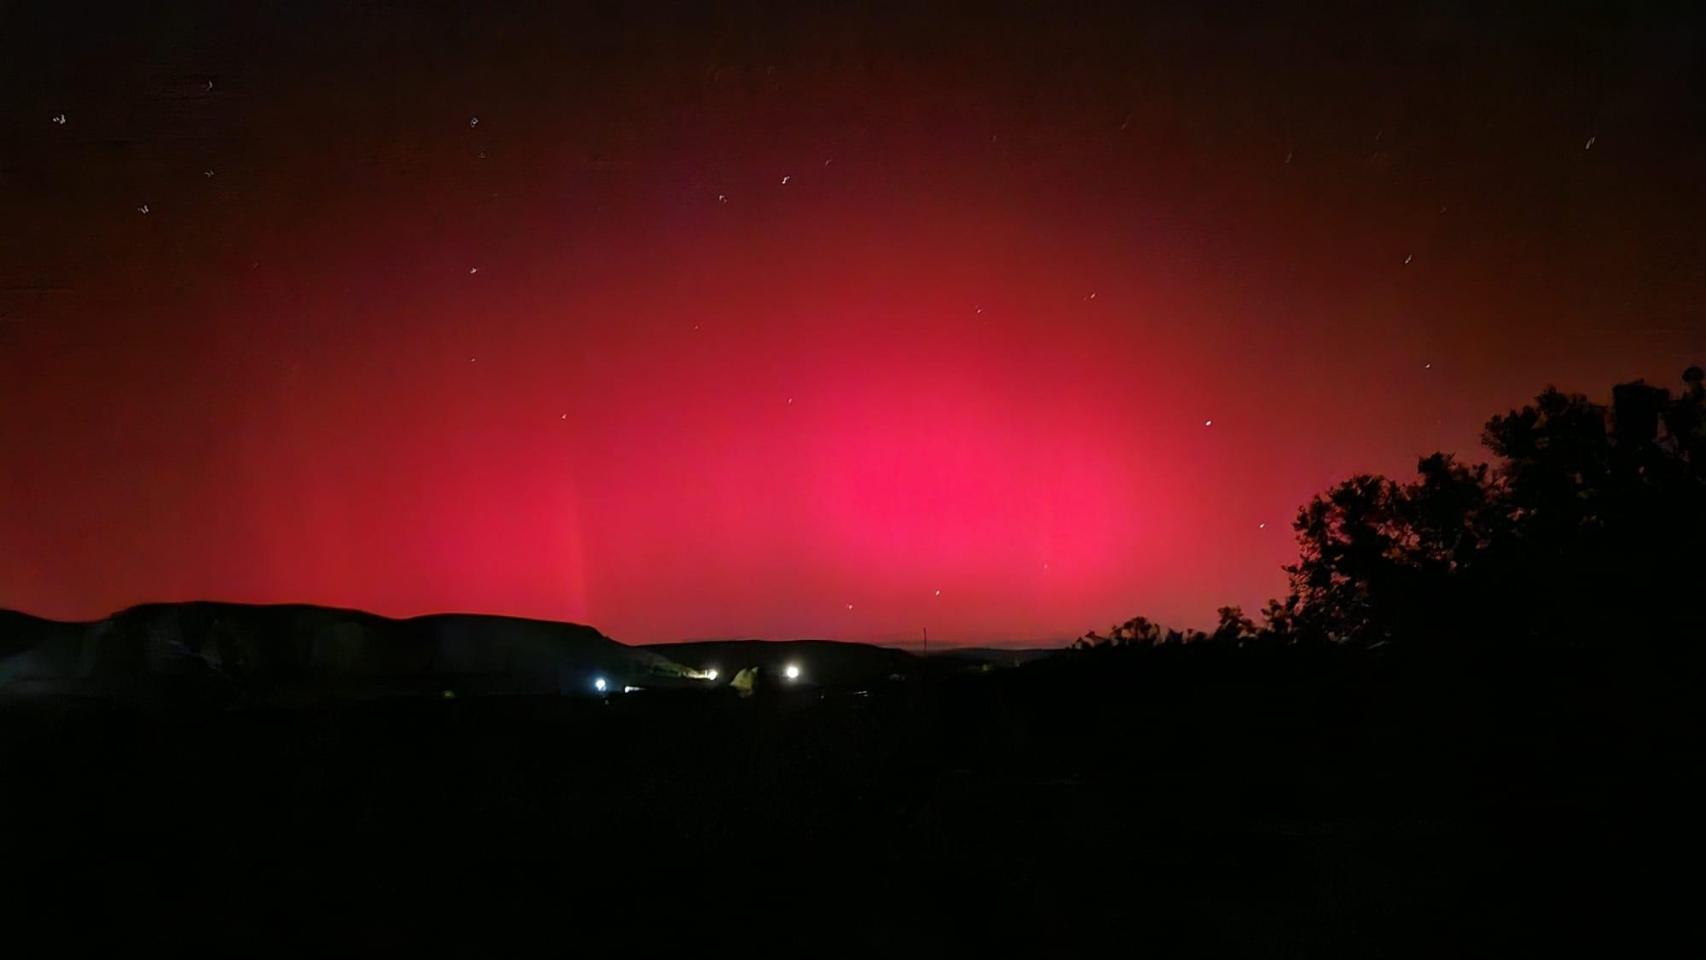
[791, 671]
[711, 674]
[599, 684]
[629, 689]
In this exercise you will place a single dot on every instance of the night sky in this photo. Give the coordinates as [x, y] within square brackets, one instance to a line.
[799, 319]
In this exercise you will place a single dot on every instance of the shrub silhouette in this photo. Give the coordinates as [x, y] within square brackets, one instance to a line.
[1589, 526]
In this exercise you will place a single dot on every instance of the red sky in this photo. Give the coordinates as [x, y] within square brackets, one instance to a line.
[797, 322]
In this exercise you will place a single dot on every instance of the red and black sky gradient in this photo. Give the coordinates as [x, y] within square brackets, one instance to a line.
[799, 319]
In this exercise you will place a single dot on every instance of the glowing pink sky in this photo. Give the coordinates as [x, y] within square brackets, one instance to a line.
[970, 346]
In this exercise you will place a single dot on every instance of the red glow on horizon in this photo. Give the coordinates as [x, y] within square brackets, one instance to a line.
[875, 341]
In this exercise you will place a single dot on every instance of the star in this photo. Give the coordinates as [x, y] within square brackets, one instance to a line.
[1288, 156]
[790, 401]
[1590, 143]
[563, 417]
[210, 86]
[473, 270]
[1261, 526]
[59, 120]
[142, 209]
[1427, 366]
[722, 198]
[1208, 423]
[785, 180]
[938, 593]
[1091, 297]
[1408, 258]
[473, 359]
[208, 173]
[849, 606]
[473, 121]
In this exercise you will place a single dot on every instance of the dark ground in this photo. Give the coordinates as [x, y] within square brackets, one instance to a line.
[1161, 801]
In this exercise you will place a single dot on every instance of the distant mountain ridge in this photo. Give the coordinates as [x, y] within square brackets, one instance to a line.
[208, 651]
[219, 650]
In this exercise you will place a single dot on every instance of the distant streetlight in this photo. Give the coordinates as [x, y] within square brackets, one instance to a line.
[791, 671]
[711, 674]
[599, 684]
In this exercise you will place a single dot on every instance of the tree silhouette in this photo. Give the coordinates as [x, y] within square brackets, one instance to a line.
[1590, 525]
[1233, 628]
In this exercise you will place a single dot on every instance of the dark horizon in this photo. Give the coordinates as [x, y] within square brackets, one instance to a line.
[918, 645]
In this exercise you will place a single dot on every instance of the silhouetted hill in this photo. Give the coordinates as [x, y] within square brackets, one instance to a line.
[204, 650]
[976, 657]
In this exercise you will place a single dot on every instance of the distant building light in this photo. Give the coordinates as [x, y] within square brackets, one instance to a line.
[791, 671]
[599, 684]
[711, 674]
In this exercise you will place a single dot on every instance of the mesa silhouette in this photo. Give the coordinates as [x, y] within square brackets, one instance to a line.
[218, 653]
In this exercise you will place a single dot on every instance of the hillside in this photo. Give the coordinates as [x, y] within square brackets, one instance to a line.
[205, 650]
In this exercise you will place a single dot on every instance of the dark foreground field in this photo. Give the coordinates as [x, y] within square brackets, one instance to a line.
[1292, 804]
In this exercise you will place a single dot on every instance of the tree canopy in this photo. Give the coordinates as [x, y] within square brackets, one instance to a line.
[1590, 523]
